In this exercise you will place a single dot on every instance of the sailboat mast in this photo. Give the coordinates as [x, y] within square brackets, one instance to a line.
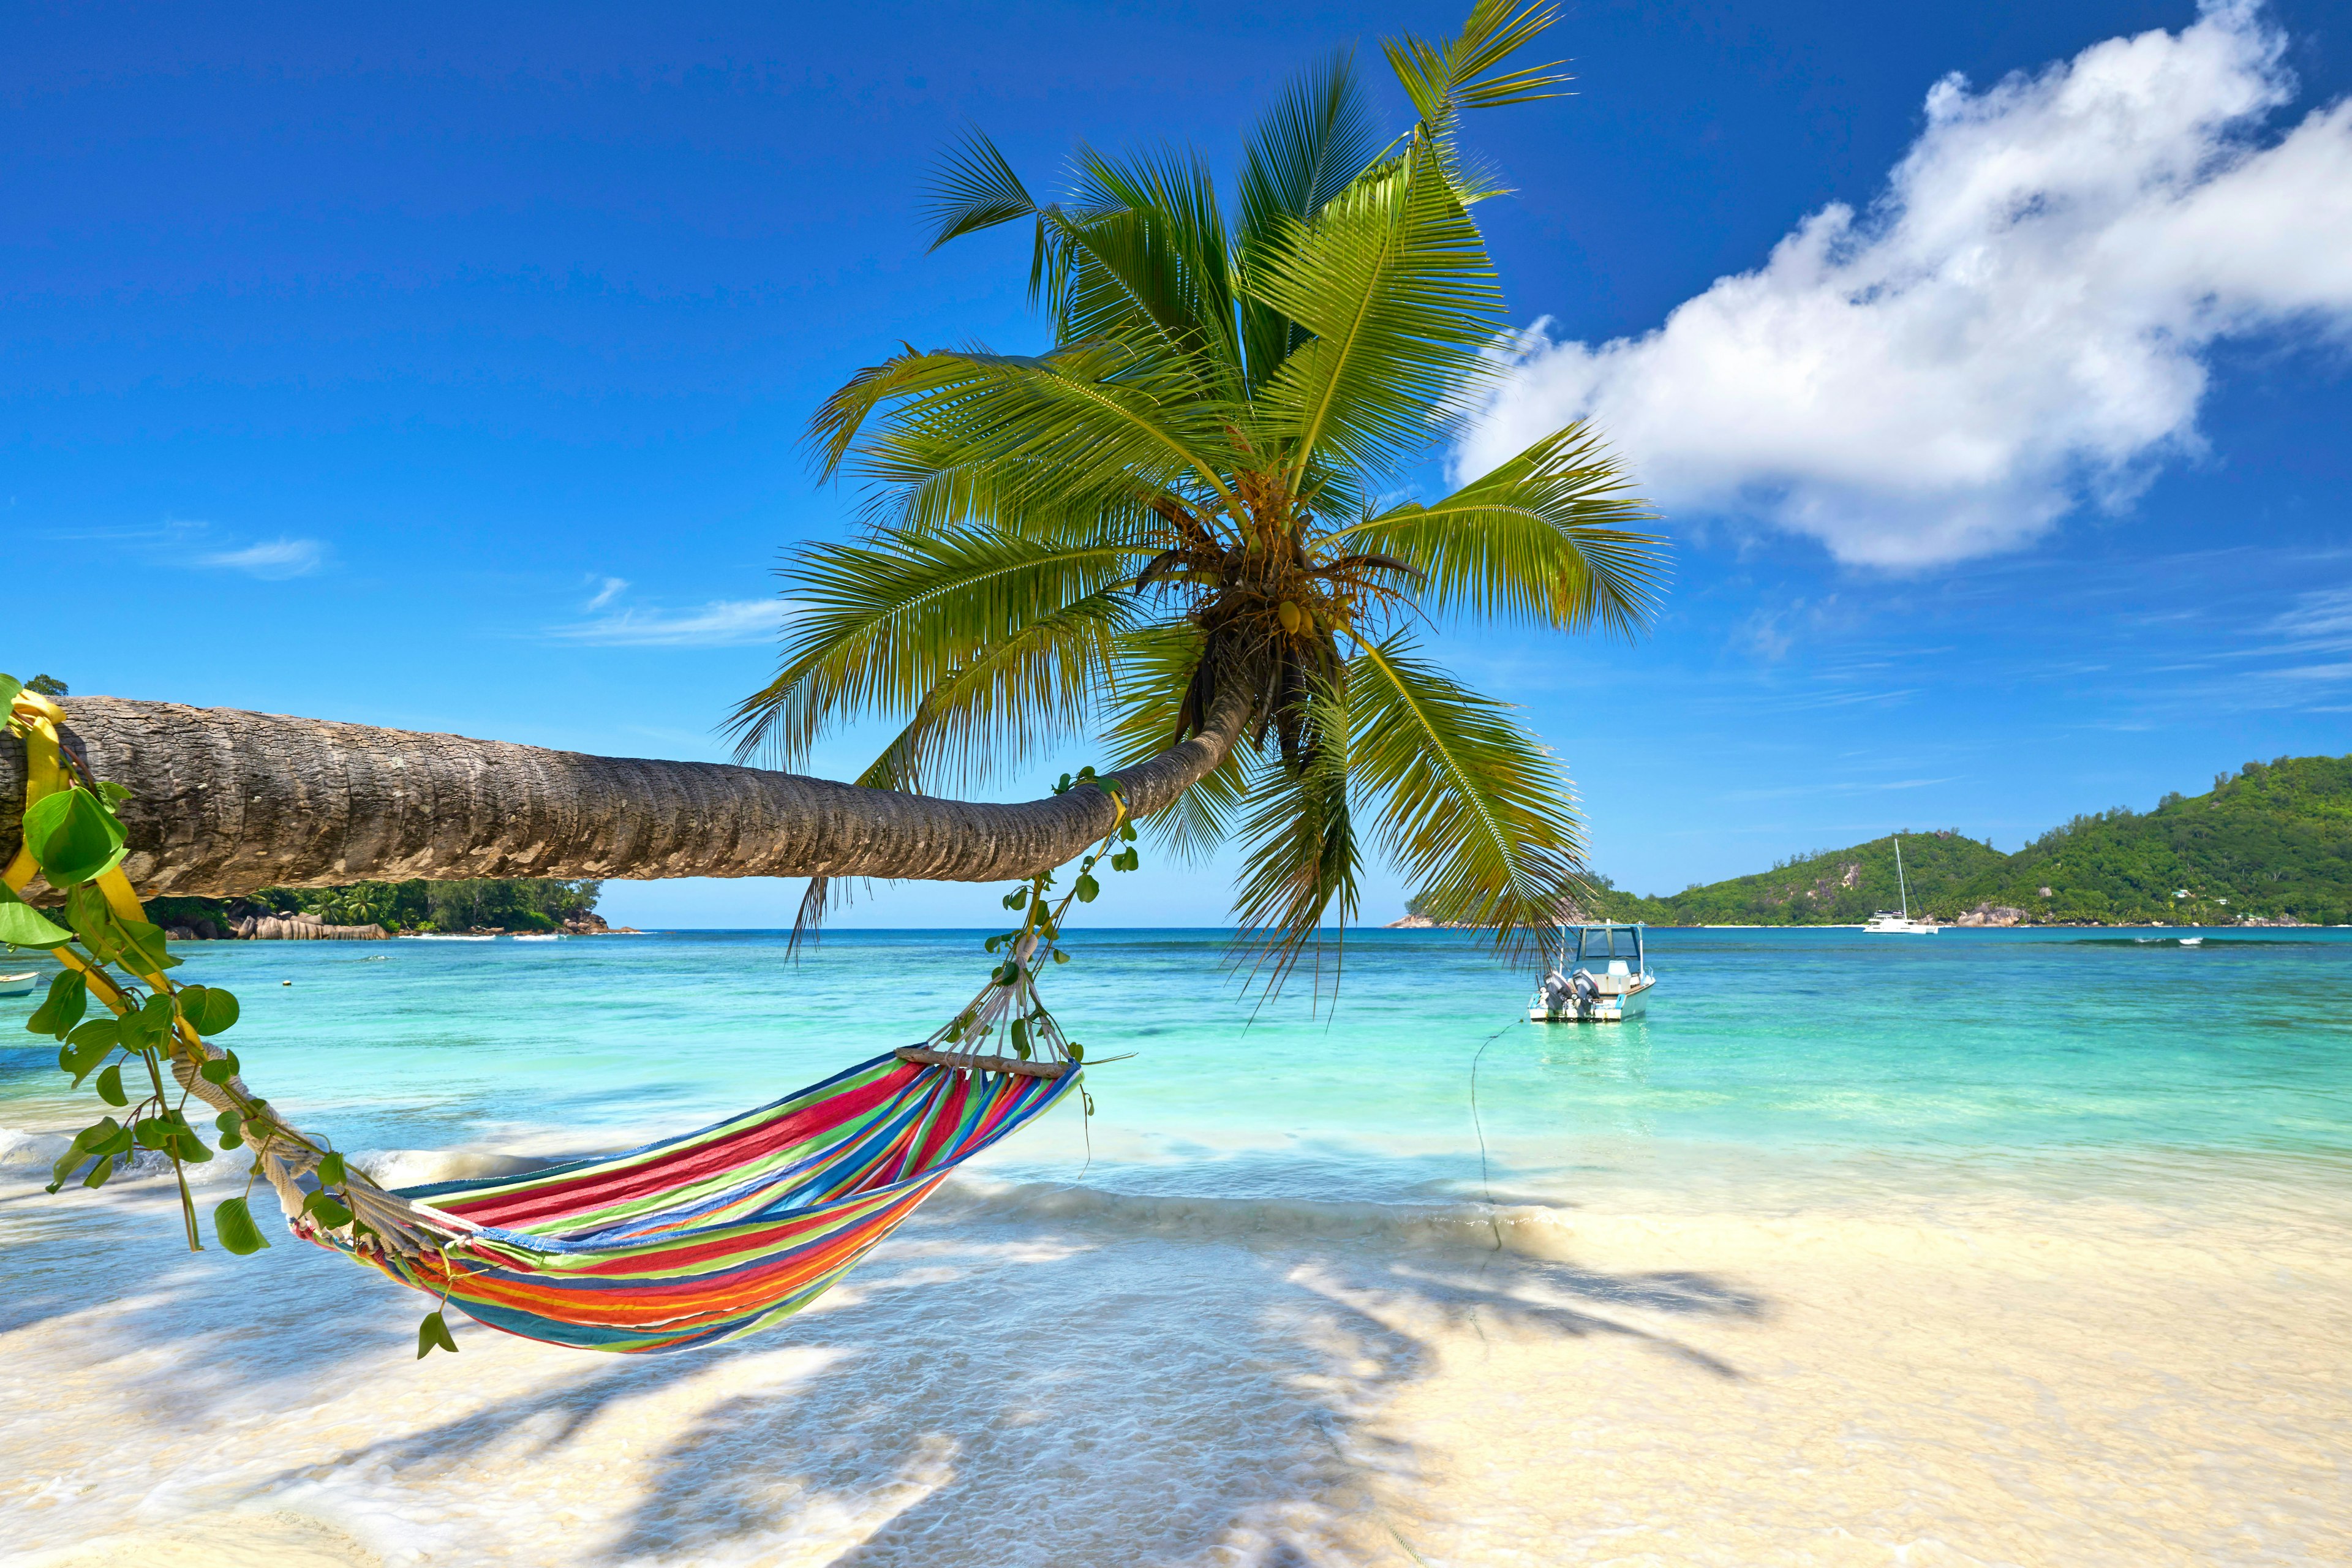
[1902, 886]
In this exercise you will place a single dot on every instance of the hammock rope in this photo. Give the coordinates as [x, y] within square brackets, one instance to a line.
[682, 1243]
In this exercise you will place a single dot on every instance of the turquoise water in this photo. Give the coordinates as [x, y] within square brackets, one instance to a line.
[1993, 1054]
[1977, 1248]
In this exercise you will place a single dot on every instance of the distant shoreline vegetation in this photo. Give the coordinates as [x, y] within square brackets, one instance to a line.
[463, 905]
[2268, 844]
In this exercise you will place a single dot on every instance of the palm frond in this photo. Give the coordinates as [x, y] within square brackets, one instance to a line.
[1146, 712]
[1394, 285]
[1554, 535]
[878, 628]
[1300, 862]
[1038, 685]
[974, 189]
[1093, 419]
[1315, 141]
[1149, 258]
[1465, 72]
[1471, 807]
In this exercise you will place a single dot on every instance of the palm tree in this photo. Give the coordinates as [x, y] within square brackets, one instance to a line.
[1094, 536]
[1179, 525]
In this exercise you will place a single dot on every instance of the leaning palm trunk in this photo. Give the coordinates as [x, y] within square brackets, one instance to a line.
[224, 802]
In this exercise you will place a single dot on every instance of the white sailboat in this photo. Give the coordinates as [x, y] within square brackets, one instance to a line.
[1887, 921]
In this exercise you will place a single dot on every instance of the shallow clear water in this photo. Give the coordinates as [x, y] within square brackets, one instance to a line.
[1983, 1246]
[1990, 1049]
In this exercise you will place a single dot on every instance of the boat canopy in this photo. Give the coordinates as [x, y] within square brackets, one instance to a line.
[1598, 938]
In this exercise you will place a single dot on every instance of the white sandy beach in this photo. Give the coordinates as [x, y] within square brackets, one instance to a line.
[1030, 1376]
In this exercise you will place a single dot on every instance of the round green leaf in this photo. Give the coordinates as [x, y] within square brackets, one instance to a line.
[208, 1009]
[232, 1223]
[330, 1170]
[22, 925]
[110, 1087]
[73, 836]
[68, 1000]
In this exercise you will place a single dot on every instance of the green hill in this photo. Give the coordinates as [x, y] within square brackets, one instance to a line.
[1828, 887]
[2272, 843]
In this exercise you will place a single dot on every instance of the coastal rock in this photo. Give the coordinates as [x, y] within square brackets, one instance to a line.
[304, 928]
[1990, 915]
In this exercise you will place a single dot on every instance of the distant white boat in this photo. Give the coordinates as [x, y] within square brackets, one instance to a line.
[18, 984]
[1620, 991]
[1885, 922]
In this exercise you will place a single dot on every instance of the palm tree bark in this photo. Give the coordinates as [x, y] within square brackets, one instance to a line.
[225, 802]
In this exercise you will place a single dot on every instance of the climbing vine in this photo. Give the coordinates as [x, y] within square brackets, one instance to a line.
[1009, 1015]
[140, 1039]
[142, 1048]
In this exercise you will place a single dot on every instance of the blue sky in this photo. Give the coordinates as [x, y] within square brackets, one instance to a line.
[444, 370]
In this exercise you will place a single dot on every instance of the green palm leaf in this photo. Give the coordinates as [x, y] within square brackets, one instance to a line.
[1393, 283]
[1465, 73]
[1154, 671]
[1300, 860]
[1312, 145]
[1554, 535]
[1470, 808]
[878, 628]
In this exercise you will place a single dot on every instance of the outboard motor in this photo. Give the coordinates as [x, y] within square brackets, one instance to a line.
[1558, 992]
[1588, 990]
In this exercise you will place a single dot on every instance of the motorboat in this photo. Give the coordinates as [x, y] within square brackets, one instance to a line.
[1597, 985]
[1887, 922]
[18, 984]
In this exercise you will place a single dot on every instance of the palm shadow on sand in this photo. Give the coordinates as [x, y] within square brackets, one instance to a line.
[1012, 1393]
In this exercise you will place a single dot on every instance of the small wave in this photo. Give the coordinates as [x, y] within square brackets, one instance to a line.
[21, 1150]
[1525, 1230]
[27, 1157]
[420, 1167]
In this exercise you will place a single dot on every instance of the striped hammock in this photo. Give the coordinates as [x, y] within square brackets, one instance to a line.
[714, 1233]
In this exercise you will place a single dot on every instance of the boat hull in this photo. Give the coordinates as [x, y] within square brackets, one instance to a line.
[1605, 1009]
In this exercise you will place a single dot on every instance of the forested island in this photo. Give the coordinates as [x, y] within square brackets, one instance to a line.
[2268, 844]
[470, 905]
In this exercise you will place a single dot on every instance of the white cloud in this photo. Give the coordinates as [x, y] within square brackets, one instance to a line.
[723, 623]
[275, 561]
[605, 595]
[2015, 328]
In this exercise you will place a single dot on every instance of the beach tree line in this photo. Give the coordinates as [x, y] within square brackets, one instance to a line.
[468, 903]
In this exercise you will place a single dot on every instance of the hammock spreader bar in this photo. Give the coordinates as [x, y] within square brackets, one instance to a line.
[714, 1233]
